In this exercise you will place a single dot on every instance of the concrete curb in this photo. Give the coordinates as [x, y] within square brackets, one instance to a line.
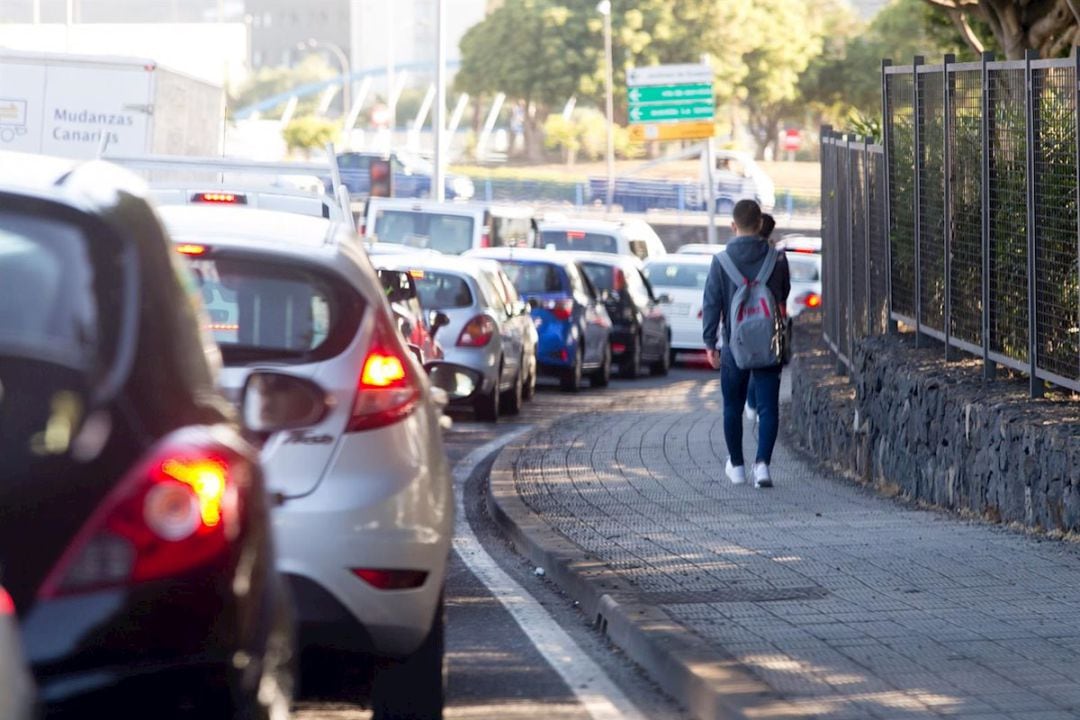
[707, 681]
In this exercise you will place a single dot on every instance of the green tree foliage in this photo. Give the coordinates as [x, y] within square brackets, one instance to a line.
[1049, 26]
[270, 81]
[305, 134]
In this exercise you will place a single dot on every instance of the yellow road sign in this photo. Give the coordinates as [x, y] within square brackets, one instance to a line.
[672, 131]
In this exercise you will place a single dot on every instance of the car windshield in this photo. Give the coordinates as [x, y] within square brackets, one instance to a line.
[451, 234]
[580, 241]
[53, 296]
[534, 278]
[266, 310]
[442, 291]
[803, 269]
[677, 275]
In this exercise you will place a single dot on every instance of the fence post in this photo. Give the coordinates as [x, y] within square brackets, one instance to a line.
[849, 258]
[1031, 115]
[917, 149]
[866, 233]
[989, 369]
[1076, 119]
[886, 139]
[946, 125]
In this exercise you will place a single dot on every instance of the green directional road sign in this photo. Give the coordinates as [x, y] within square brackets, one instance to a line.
[672, 112]
[668, 93]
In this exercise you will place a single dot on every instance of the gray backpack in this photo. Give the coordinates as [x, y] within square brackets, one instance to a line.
[758, 337]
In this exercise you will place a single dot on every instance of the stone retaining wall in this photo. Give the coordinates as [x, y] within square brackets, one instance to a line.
[910, 424]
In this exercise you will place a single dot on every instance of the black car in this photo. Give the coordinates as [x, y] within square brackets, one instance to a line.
[639, 331]
[134, 525]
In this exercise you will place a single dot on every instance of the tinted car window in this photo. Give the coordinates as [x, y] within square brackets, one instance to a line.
[802, 270]
[580, 241]
[601, 276]
[451, 234]
[50, 302]
[675, 275]
[534, 278]
[639, 248]
[442, 291]
[267, 310]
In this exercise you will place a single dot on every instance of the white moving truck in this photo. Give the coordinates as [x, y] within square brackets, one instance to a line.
[63, 105]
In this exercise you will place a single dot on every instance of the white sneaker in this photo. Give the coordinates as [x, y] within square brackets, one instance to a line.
[736, 474]
[750, 413]
[762, 479]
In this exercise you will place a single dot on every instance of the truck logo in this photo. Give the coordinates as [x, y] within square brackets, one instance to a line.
[12, 119]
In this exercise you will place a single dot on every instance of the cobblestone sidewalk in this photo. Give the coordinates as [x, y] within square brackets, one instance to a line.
[848, 605]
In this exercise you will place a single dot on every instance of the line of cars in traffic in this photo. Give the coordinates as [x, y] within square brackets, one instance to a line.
[221, 421]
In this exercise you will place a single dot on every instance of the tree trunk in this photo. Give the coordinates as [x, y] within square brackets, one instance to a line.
[534, 134]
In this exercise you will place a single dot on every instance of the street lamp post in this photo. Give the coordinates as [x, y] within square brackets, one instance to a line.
[604, 8]
[343, 59]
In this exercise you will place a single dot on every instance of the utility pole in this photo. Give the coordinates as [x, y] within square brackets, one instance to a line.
[604, 8]
[439, 117]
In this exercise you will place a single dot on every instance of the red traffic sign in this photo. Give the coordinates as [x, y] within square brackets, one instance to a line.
[792, 140]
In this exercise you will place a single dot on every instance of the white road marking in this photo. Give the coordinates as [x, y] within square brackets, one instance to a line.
[596, 692]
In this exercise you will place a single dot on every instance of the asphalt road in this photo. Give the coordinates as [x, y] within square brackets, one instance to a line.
[495, 669]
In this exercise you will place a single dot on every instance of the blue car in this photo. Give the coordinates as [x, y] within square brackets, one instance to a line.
[569, 315]
[412, 176]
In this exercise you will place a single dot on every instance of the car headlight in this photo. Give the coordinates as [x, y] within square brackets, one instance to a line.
[463, 187]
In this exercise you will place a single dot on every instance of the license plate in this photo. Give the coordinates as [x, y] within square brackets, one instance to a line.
[677, 309]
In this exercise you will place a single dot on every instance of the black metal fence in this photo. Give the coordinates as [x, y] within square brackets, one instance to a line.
[964, 223]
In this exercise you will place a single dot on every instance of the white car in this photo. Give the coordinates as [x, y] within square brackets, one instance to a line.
[805, 270]
[490, 328]
[450, 228]
[682, 279]
[698, 249]
[366, 499]
[622, 237]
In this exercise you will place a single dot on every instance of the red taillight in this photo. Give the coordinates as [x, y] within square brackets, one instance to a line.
[700, 314]
[485, 240]
[618, 348]
[391, 579]
[561, 309]
[7, 606]
[219, 198]
[804, 251]
[477, 332]
[178, 512]
[618, 280]
[387, 391]
[811, 300]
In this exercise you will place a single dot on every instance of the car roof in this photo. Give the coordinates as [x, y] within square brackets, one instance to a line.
[434, 262]
[280, 233]
[428, 206]
[684, 259]
[586, 225]
[604, 258]
[523, 254]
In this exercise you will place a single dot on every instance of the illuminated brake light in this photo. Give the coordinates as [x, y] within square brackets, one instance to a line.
[575, 235]
[485, 240]
[387, 390]
[219, 198]
[561, 309]
[7, 605]
[171, 515]
[223, 327]
[192, 249]
[618, 281]
[416, 274]
[812, 300]
[804, 251]
[391, 579]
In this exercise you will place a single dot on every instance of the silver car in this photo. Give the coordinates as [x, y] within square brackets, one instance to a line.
[367, 507]
[490, 328]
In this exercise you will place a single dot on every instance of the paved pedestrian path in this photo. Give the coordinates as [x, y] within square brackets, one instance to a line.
[847, 604]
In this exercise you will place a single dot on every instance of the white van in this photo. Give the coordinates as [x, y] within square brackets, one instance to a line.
[448, 227]
[621, 237]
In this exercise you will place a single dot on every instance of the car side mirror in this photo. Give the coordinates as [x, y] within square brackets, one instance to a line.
[273, 401]
[457, 381]
[664, 299]
[437, 320]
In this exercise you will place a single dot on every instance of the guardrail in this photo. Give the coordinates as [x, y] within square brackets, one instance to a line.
[964, 224]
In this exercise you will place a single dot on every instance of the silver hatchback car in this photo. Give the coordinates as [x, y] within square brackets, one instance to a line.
[490, 328]
[367, 508]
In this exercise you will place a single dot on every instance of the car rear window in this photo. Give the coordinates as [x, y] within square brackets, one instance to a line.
[579, 241]
[265, 310]
[803, 269]
[451, 234]
[443, 291]
[534, 278]
[55, 295]
[601, 276]
[677, 275]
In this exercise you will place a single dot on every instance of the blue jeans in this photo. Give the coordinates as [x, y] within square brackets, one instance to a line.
[734, 383]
